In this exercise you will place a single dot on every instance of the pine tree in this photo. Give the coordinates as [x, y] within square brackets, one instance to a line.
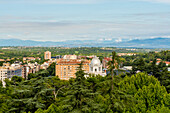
[39, 111]
[78, 97]
[53, 109]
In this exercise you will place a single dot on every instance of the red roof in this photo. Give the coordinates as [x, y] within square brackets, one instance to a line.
[108, 59]
[166, 62]
[72, 62]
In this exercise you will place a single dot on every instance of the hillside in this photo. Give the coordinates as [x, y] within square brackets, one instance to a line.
[145, 43]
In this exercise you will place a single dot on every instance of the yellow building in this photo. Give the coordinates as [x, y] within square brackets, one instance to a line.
[66, 69]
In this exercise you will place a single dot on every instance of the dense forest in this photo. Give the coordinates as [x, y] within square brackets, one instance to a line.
[43, 92]
[136, 93]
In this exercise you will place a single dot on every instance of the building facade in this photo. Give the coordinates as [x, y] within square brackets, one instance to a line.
[66, 69]
[73, 57]
[105, 62]
[47, 55]
[8, 71]
[30, 68]
[96, 68]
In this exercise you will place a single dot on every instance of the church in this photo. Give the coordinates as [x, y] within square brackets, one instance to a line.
[67, 67]
[95, 67]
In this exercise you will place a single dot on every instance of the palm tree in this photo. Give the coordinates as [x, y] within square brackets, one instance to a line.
[113, 64]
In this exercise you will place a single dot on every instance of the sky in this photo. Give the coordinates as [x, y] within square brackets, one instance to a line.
[60, 20]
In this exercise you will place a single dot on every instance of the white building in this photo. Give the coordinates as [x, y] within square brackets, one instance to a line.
[30, 68]
[70, 57]
[8, 71]
[95, 67]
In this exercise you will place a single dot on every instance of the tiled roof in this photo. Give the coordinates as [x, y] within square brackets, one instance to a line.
[72, 62]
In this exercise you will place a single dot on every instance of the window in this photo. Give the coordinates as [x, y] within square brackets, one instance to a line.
[91, 68]
[64, 73]
[68, 67]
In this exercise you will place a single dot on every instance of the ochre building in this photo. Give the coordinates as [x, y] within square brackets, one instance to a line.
[66, 69]
[47, 55]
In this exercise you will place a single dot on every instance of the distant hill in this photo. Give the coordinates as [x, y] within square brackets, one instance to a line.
[18, 42]
[142, 43]
[149, 43]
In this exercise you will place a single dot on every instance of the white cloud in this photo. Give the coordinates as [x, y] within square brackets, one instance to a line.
[157, 1]
[108, 39]
[119, 40]
[83, 30]
[9, 36]
[162, 36]
[101, 39]
[54, 1]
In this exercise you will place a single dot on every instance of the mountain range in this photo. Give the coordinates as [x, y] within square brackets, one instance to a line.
[140, 43]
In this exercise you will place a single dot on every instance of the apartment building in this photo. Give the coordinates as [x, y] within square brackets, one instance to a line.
[8, 71]
[70, 57]
[47, 55]
[66, 68]
[30, 58]
[30, 68]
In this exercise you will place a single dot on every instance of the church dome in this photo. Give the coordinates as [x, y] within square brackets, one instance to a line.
[95, 61]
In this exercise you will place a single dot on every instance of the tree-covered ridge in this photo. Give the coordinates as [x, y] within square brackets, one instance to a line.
[43, 92]
[136, 93]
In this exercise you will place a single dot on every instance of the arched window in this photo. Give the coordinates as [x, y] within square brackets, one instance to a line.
[99, 68]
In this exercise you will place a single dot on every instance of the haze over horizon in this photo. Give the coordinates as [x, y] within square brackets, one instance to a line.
[57, 20]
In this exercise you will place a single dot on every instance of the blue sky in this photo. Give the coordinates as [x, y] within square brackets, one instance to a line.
[58, 20]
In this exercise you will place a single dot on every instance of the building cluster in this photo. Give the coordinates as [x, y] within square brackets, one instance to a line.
[28, 59]
[9, 70]
[126, 54]
[29, 68]
[2, 60]
[158, 61]
[46, 64]
[67, 66]
[22, 69]
[7, 60]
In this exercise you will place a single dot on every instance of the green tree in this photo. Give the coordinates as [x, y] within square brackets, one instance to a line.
[147, 92]
[40, 111]
[51, 69]
[54, 109]
[79, 98]
[16, 79]
[138, 65]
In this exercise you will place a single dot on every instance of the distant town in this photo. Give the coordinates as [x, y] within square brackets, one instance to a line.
[65, 65]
